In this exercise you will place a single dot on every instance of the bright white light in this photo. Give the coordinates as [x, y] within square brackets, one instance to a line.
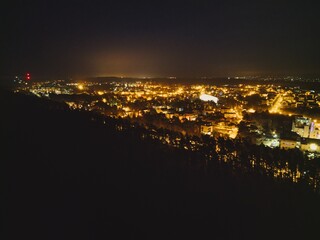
[313, 147]
[207, 97]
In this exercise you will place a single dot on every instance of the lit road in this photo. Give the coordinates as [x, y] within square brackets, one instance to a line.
[275, 108]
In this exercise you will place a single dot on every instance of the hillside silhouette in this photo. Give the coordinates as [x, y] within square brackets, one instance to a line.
[68, 176]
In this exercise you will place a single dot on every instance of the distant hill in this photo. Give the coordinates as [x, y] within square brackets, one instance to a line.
[68, 177]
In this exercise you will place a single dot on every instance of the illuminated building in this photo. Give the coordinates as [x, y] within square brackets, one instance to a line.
[301, 126]
[207, 98]
[306, 128]
[310, 145]
[314, 130]
[206, 128]
[230, 115]
[288, 144]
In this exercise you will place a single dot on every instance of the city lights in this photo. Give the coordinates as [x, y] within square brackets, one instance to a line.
[177, 102]
[113, 110]
[265, 114]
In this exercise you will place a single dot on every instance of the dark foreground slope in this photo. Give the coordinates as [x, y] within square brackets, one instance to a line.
[67, 177]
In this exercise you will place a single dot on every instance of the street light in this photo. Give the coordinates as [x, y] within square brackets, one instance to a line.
[313, 147]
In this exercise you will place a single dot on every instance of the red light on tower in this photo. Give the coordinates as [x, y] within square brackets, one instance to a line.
[28, 76]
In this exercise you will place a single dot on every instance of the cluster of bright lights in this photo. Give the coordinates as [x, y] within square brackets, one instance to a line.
[80, 87]
[207, 97]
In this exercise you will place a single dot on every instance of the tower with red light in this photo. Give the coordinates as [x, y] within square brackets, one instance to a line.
[28, 76]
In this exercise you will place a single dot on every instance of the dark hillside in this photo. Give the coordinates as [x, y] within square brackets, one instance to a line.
[66, 176]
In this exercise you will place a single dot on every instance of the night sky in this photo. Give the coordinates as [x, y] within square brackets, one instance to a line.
[61, 39]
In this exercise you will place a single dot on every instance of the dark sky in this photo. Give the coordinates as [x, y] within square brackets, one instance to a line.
[159, 38]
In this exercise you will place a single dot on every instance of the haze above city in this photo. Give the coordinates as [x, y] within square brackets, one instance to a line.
[191, 119]
[73, 39]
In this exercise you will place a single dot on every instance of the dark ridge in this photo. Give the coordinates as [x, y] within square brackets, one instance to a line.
[66, 176]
